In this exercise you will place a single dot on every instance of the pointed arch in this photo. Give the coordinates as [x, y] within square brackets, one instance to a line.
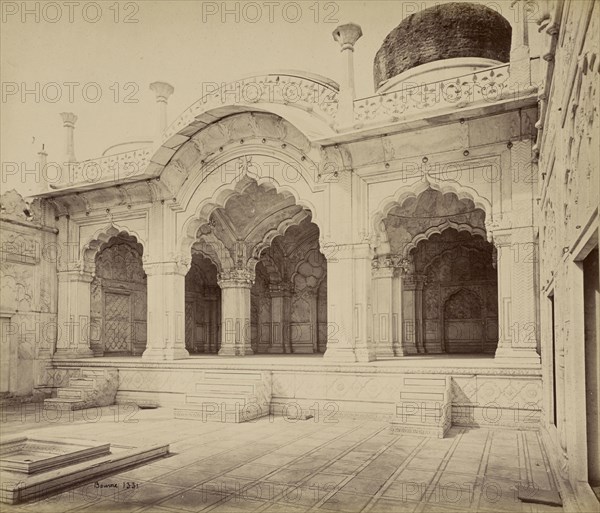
[438, 230]
[202, 206]
[413, 191]
[93, 244]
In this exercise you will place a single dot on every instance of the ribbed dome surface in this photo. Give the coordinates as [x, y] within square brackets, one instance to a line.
[443, 32]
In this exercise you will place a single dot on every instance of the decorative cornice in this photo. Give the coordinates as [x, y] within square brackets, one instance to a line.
[392, 262]
[233, 278]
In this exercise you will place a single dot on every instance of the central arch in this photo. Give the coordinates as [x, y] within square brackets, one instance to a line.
[262, 250]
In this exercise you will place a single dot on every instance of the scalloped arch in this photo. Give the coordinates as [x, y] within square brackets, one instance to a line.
[306, 256]
[445, 252]
[404, 193]
[201, 213]
[211, 247]
[90, 248]
[270, 266]
[276, 232]
[437, 230]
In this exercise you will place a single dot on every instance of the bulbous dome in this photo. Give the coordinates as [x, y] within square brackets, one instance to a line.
[443, 32]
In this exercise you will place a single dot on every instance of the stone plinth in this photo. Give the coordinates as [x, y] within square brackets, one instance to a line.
[32, 455]
[36, 468]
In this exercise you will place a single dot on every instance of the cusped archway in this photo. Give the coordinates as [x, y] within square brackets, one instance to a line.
[118, 301]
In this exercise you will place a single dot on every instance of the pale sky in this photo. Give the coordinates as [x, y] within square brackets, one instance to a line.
[99, 51]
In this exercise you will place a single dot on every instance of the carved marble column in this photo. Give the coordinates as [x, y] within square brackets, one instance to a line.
[349, 315]
[280, 315]
[516, 295]
[166, 311]
[235, 312]
[383, 311]
[412, 313]
[73, 333]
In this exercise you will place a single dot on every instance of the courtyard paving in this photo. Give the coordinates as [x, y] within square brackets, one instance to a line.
[279, 464]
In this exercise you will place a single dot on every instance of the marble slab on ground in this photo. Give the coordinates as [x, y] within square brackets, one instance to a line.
[20, 486]
[30, 455]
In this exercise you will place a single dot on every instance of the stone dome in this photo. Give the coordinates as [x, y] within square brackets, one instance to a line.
[448, 31]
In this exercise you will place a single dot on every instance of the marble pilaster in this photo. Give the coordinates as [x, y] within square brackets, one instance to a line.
[383, 311]
[166, 311]
[73, 333]
[349, 304]
[516, 295]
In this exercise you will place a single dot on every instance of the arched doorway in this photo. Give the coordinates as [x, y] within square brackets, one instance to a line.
[440, 275]
[460, 293]
[202, 306]
[118, 302]
[270, 271]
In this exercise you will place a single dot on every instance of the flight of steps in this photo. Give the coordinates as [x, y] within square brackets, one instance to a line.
[93, 387]
[228, 396]
[424, 406]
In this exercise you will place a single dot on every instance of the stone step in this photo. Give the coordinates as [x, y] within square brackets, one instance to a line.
[70, 393]
[226, 388]
[66, 404]
[93, 388]
[423, 406]
[228, 400]
[82, 382]
[424, 381]
[417, 406]
[92, 373]
[421, 395]
[428, 417]
[438, 431]
[228, 396]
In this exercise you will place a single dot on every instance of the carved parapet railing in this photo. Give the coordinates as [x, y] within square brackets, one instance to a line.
[120, 167]
[486, 86]
[307, 94]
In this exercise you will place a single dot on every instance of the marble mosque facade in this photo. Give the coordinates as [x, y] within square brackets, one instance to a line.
[450, 228]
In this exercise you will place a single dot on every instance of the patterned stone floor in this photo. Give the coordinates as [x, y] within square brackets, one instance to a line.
[281, 465]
